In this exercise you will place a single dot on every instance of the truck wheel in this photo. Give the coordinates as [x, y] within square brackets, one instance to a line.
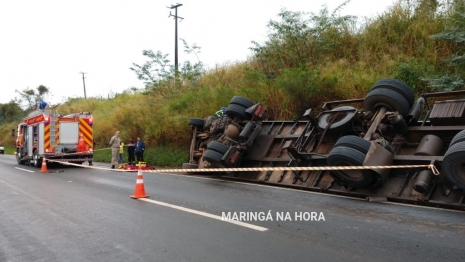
[199, 122]
[214, 158]
[36, 159]
[459, 137]
[346, 156]
[218, 147]
[237, 111]
[341, 124]
[388, 98]
[398, 86]
[239, 100]
[19, 157]
[354, 142]
[453, 165]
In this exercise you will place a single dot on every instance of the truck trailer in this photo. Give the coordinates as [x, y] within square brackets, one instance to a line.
[416, 146]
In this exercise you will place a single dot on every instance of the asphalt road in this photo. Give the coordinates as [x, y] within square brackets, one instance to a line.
[86, 214]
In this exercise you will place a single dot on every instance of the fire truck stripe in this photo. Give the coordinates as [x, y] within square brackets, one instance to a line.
[84, 126]
[86, 131]
[46, 136]
[57, 134]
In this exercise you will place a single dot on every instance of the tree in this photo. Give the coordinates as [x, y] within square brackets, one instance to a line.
[301, 39]
[31, 96]
[454, 32]
[158, 74]
[10, 112]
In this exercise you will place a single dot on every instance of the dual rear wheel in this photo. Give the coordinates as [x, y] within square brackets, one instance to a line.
[351, 151]
[392, 94]
[453, 164]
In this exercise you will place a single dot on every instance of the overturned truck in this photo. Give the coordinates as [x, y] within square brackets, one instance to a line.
[387, 129]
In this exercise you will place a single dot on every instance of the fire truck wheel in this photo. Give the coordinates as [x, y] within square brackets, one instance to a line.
[388, 98]
[354, 142]
[242, 101]
[398, 86]
[237, 111]
[459, 137]
[453, 165]
[19, 157]
[36, 159]
[218, 147]
[214, 158]
[198, 122]
[346, 156]
[342, 122]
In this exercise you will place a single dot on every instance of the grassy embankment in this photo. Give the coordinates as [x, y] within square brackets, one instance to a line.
[294, 70]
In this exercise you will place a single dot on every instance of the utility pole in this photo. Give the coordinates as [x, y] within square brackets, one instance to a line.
[84, 83]
[175, 7]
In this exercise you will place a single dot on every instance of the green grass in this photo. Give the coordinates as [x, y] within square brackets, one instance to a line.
[159, 156]
[9, 150]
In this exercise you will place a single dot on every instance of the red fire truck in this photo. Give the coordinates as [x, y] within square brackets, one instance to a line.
[66, 138]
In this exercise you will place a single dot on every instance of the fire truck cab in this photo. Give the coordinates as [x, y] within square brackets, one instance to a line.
[66, 138]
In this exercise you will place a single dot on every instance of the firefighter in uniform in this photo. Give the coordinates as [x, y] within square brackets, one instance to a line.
[115, 142]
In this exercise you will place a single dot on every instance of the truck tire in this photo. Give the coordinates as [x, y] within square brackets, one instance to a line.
[199, 122]
[218, 147]
[19, 157]
[36, 160]
[239, 100]
[214, 158]
[388, 98]
[453, 165]
[398, 86]
[237, 111]
[346, 156]
[459, 137]
[354, 142]
[339, 125]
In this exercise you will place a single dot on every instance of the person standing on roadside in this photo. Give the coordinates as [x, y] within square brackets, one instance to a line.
[121, 153]
[140, 148]
[115, 142]
[131, 151]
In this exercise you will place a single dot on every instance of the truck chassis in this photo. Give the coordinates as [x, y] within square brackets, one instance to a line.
[392, 129]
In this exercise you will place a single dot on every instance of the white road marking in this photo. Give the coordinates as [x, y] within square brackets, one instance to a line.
[200, 213]
[30, 171]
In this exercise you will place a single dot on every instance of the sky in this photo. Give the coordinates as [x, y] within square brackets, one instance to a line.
[50, 42]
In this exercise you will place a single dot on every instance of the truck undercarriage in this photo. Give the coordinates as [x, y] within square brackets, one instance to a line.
[391, 130]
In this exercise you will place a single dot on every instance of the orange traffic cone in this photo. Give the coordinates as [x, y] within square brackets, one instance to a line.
[44, 166]
[139, 191]
[82, 144]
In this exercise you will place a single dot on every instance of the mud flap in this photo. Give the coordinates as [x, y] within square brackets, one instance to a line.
[379, 156]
